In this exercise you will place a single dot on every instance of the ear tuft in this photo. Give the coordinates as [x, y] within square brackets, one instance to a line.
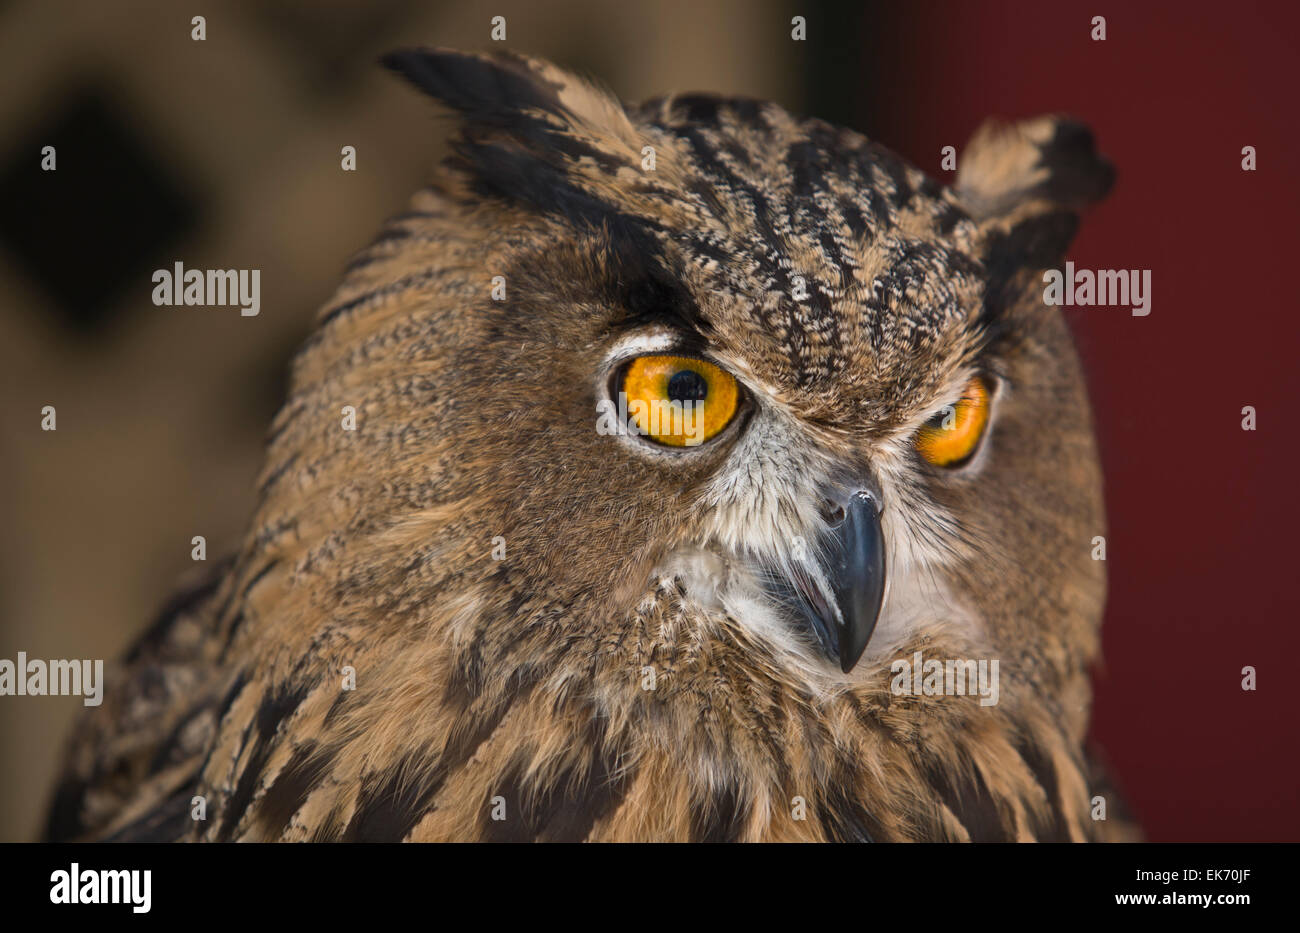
[525, 97]
[492, 89]
[1036, 166]
[530, 132]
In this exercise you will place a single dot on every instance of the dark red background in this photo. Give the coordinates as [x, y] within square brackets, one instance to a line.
[1203, 515]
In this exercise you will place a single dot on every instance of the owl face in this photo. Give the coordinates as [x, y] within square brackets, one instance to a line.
[766, 360]
[788, 493]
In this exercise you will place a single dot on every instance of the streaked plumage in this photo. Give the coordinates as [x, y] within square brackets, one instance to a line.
[518, 686]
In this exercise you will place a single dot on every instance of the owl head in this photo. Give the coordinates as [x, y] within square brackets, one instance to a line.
[705, 340]
[696, 387]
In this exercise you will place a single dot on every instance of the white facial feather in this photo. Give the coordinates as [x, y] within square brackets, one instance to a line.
[763, 507]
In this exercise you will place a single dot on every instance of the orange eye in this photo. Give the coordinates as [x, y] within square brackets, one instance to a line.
[951, 436]
[679, 401]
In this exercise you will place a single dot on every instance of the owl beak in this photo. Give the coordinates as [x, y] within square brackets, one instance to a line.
[855, 564]
[840, 591]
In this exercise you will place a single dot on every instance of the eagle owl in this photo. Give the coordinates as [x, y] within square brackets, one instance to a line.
[621, 484]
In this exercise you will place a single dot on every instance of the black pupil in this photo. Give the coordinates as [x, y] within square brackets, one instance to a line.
[686, 385]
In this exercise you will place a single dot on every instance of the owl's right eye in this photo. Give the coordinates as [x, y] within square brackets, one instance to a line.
[678, 401]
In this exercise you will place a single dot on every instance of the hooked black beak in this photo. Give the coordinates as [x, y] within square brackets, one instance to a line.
[840, 588]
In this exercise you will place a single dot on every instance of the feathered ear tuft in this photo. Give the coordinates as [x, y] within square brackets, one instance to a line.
[1027, 182]
[493, 90]
[527, 124]
[1049, 160]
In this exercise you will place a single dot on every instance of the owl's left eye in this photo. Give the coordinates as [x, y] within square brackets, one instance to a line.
[952, 436]
[679, 401]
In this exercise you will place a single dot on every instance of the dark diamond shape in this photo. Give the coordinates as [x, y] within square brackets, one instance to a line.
[98, 225]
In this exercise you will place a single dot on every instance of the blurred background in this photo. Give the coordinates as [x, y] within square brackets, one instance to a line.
[225, 154]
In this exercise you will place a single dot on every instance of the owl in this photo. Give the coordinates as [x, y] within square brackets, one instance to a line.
[683, 471]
